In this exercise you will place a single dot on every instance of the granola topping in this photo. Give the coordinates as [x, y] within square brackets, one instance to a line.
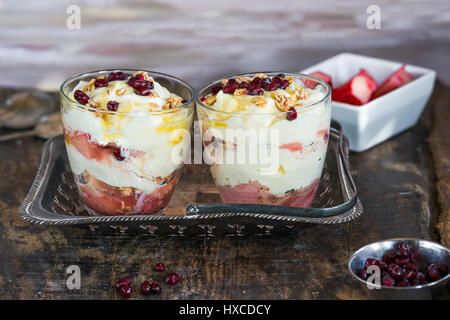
[137, 92]
[278, 93]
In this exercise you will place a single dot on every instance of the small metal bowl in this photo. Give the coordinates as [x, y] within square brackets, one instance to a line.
[430, 251]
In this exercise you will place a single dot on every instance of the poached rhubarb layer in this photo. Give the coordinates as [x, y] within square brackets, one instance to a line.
[254, 192]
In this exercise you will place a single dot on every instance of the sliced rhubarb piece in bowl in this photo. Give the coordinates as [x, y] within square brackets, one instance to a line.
[357, 91]
[394, 81]
[318, 74]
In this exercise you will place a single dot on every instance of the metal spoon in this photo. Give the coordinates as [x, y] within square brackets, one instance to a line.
[25, 109]
[49, 126]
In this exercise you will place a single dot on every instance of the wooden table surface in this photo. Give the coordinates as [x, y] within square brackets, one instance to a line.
[404, 187]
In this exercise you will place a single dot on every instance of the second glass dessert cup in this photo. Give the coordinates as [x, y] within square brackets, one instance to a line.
[126, 163]
[265, 157]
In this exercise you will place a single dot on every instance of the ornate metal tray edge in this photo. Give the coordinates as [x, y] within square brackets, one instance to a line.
[31, 209]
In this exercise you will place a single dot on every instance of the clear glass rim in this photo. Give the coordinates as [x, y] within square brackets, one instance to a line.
[80, 76]
[201, 92]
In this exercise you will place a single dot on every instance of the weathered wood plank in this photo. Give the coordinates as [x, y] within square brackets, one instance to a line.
[395, 179]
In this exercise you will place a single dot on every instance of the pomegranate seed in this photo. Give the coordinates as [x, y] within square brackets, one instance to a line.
[232, 82]
[230, 87]
[411, 266]
[433, 272]
[256, 82]
[98, 83]
[292, 115]
[388, 257]
[113, 76]
[131, 81]
[172, 278]
[280, 75]
[396, 272]
[443, 269]
[277, 80]
[155, 288]
[255, 91]
[143, 92]
[202, 99]
[420, 277]
[112, 105]
[118, 154]
[410, 275]
[146, 288]
[244, 85]
[273, 86]
[159, 267]
[363, 274]
[388, 281]
[284, 84]
[123, 282]
[402, 261]
[403, 283]
[139, 77]
[371, 262]
[120, 75]
[143, 84]
[125, 291]
[81, 97]
[266, 83]
[383, 266]
[183, 101]
[215, 90]
[402, 246]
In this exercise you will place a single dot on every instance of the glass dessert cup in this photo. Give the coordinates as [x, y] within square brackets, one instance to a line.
[126, 163]
[266, 158]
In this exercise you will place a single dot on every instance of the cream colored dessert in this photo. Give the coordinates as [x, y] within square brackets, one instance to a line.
[299, 116]
[125, 140]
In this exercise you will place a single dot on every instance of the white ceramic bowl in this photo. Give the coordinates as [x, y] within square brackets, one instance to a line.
[372, 123]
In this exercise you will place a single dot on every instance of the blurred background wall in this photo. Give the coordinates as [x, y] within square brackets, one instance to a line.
[200, 40]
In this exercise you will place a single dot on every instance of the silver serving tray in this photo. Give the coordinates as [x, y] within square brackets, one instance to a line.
[53, 200]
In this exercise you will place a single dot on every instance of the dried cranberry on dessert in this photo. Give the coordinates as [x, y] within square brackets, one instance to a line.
[112, 105]
[81, 97]
[99, 83]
